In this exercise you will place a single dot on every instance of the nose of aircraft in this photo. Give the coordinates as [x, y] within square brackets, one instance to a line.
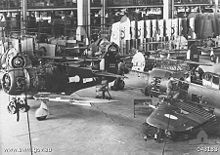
[15, 82]
[17, 61]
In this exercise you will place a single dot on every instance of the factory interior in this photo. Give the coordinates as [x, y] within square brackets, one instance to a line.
[109, 77]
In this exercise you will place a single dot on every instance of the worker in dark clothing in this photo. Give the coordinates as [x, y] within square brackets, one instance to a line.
[119, 83]
[121, 67]
[200, 72]
[210, 42]
[103, 88]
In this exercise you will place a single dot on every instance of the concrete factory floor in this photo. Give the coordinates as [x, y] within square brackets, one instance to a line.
[107, 128]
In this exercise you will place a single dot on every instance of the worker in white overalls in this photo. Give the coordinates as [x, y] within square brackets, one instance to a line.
[138, 62]
[170, 87]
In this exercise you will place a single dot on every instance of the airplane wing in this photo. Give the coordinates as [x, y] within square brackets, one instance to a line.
[69, 59]
[197, 63]
[141, 72]
[75, 100]
[107, 74]
[178, 116]
[184, 61]
[59, 58]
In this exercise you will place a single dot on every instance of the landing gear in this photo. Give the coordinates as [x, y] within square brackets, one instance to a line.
[161, 135]
[24, 108]
[16, 105]
[12, 107]
[42, 112]
[119, 84]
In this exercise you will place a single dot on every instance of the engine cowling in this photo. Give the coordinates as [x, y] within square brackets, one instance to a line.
[16, 81]
[48, 78]
[17, 61]
[13, 59]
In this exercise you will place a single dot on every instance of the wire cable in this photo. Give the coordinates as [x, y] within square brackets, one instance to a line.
[29, 134]
[29, 128]
[164, 144]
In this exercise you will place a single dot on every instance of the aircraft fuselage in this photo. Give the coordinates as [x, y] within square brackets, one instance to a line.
[207, 94]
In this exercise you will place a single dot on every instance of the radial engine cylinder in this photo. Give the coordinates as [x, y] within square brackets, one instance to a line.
[48, 78]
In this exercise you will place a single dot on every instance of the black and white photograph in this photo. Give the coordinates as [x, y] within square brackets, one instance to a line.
[109, 77]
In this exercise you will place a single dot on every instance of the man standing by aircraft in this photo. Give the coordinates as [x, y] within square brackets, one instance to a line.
[103, 88]
[121, 71]
[121, 67]
[170, 87]
[138, 61]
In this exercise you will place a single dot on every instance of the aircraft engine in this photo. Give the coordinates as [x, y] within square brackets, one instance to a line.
[44, 78]
[155, 84]
[13, 59]
[16, 81]
[17, 62]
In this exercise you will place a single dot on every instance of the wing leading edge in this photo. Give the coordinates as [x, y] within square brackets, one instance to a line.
[107, 74]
